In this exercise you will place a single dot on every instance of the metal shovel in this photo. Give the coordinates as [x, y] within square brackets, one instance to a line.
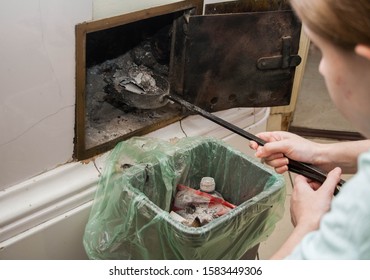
[301, 168]
[152, 101]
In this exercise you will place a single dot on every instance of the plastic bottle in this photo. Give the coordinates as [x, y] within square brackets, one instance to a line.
[208, 185]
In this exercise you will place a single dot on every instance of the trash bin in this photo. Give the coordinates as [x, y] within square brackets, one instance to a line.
[130, 216]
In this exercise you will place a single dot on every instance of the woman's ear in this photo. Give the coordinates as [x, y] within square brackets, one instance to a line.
[363, 50]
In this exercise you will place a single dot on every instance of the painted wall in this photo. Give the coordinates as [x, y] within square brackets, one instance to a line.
[109, 8]
[37, 88]
[37, 80]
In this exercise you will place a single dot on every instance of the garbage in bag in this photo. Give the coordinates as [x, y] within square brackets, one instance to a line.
[130, 216]
[197, 207]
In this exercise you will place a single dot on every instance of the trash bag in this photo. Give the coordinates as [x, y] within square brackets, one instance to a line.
[130, 217]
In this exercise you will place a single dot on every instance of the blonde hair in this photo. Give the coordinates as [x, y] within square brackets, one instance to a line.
[345, 23]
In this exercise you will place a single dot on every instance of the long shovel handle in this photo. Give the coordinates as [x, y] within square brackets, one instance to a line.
[301, 168]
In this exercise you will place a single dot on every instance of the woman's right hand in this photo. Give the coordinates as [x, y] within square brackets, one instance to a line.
[282, 145]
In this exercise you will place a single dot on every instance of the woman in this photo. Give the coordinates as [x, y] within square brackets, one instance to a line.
[328, 227]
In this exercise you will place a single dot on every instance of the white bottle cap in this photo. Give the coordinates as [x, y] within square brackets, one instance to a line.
[207, 184]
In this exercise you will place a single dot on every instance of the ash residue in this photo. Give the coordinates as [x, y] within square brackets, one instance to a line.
[109, 117]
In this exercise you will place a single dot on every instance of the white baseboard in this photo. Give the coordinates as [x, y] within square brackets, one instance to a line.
[46, 196]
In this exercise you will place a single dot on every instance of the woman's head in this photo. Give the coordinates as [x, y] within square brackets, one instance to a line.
[346, 23]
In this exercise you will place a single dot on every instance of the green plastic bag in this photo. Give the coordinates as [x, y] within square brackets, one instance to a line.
[130, 217]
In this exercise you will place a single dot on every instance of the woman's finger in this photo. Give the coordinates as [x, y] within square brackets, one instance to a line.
[281, 169]
[331, 181]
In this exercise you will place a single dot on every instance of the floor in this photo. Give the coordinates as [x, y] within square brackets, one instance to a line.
[313, 110]
[282, 230]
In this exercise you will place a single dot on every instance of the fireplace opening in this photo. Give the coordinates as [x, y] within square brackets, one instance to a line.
[139, 53]
[134, 51]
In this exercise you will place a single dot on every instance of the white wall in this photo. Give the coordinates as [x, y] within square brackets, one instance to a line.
[37, 85]
[37, 80]
[109, 8]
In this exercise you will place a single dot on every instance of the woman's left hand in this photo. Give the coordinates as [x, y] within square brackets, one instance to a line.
[310, 201]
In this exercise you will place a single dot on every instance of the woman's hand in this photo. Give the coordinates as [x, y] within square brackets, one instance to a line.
[310, 201]
[308, 204]
[280, 145]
